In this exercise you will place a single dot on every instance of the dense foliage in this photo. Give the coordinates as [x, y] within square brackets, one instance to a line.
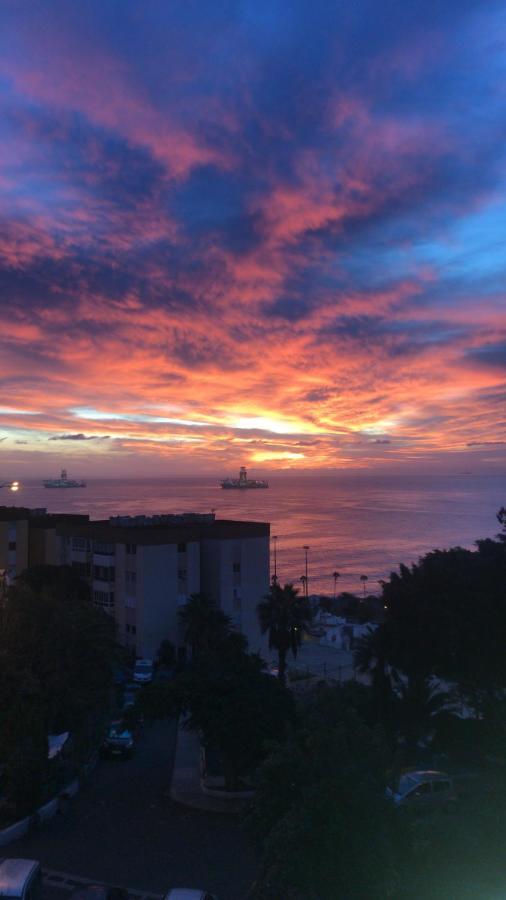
[445, 627]
[56, 658]
[228, 698]
[319, 816]
[204, 624]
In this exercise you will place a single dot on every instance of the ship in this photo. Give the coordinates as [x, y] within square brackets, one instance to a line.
[63, 482]
[243, 482]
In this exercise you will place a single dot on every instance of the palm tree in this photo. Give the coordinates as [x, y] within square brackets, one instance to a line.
[369, 658]
[205, 625]
[421, 702]
[284, 614]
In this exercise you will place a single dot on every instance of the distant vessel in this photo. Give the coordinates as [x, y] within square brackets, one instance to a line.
[243, 481]
[63, 482]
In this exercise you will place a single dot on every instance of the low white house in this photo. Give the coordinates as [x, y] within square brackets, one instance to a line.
[340, 633]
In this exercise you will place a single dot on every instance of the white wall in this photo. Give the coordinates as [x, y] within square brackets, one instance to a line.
[157, 593]
[219, 581]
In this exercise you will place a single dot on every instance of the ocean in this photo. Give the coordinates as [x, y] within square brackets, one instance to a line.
[354, 524]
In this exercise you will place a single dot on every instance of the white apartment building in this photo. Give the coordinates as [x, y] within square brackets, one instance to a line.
[142, 569]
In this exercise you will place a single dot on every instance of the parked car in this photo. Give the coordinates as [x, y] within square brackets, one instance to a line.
[119, 741]
[143, 671]
[423, 790]
[189, 894]
[130, 695]
[20, 879]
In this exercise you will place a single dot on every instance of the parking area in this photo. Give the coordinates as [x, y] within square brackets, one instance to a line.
[322, 661]
[123, 829]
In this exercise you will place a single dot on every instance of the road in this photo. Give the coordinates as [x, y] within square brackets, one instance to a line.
[121, 829]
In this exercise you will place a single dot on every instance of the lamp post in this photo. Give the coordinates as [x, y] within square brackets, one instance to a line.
[275, 547]
[335, 576]
[363, 579]
[306, 548]
[303, 581]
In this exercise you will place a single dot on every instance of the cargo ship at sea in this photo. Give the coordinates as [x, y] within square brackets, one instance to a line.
[243, 482]
[63, 482]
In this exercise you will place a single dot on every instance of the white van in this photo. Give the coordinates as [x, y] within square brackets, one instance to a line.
[20, 879]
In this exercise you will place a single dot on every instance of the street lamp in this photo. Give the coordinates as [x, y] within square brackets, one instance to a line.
[335, 576]
[303, 581]
[306, 548]
[275, 542]
[363, 579]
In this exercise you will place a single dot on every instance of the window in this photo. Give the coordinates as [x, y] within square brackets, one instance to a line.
[81, 568]
[181, 574]
[103, 599]
[439, 786]
[181, 548]
[236, 568]
[131, 577]
[80, 544]
[131, 549]
[12, 545]
[104, 573]
[103, 549]
[422, 790]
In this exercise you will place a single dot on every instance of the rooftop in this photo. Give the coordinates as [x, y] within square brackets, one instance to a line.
[39, 516]
[166, 528]
[153, 533]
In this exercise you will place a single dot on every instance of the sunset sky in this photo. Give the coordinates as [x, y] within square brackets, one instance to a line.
[253, 232]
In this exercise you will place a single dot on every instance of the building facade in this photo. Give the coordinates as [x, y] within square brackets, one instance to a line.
[142, 569]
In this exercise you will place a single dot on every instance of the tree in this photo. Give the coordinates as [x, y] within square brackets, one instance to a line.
[446, 619]
[205, 625]
[56, 657]
[166, 654]
[284, 615]
[68, 647]
[23, 738]
[60, 581]
[501, 518]
[369, 658]
[319, 816]
[230, 700]
[419, 706]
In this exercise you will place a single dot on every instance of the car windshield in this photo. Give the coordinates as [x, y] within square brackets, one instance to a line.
[119, 732]
[143, 670]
